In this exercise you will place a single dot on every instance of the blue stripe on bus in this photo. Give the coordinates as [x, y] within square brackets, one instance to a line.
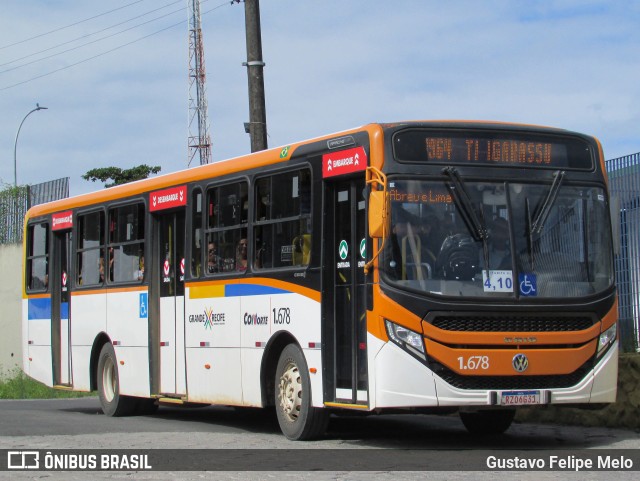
[235, 290]
[39, 308]
[64, 310]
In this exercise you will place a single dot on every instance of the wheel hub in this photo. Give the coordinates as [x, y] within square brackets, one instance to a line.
[290, 392]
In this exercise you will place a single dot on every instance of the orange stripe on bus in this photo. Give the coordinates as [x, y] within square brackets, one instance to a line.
[202, 287]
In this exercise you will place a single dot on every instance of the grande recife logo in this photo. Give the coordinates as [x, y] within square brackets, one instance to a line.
[168, 198]
[344, 162]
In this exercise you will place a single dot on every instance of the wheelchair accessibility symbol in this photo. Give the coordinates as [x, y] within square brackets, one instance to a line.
[144, 311]
[528, 285]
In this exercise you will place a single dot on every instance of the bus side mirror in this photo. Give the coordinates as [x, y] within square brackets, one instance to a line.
[377, 213]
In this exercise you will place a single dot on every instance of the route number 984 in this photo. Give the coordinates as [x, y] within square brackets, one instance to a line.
[474, 363]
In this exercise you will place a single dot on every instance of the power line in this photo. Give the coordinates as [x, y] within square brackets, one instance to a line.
[89, 35]
[91, 42]
[70, 25]
[107, 51]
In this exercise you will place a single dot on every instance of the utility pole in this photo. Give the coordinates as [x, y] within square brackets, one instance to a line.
[257, 128]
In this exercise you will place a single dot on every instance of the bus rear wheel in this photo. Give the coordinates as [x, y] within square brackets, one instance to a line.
[298, 419]
[487, 422]
[112, 402]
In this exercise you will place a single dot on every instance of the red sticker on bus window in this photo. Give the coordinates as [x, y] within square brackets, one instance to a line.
[62, 220]
[344, 162]
[168, 198]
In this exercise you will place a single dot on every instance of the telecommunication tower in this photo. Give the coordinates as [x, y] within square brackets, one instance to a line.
[199, 139]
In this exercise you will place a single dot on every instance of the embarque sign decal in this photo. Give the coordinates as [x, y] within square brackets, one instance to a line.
[344, 162]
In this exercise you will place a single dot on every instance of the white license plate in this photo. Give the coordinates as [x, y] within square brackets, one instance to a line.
[520, 398]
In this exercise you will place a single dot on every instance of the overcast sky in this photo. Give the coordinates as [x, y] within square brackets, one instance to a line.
[330, 65]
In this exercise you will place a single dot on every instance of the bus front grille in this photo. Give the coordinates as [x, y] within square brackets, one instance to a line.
[511, 323]
[520, 382]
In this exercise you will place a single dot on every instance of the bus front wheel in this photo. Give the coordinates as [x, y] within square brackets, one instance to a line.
[298, 419]
[112, 402]
[487, 422]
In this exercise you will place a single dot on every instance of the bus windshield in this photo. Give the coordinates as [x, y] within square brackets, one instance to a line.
[498, 239]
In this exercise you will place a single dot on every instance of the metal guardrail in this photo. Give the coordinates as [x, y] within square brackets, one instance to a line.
[624, 187]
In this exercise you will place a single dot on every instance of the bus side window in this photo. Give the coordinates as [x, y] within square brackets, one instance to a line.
[37, 268]
[226, 227]
[126, 242]
[282, 220]
[90, 253]
[196, 234]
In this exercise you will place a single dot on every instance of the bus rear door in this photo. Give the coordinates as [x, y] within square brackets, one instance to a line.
[167, 291]
[61, 299]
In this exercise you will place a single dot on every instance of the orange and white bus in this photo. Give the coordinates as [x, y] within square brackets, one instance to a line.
[420, 266]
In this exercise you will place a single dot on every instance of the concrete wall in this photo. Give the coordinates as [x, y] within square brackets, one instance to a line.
[10, 306]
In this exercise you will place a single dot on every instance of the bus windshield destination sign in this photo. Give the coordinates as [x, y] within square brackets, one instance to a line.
[495, 148]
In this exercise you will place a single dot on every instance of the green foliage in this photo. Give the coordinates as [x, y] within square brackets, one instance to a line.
[16, 384]
[14, 202]
[120, 176]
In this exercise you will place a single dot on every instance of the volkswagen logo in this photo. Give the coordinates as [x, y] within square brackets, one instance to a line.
[520, 362]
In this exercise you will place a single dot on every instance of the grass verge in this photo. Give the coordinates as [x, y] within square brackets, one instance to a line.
[15, 384]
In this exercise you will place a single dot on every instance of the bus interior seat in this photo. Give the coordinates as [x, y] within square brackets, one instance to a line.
[414, 269]
[301, 250]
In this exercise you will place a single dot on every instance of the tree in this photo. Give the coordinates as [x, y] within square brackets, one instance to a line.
[120, 176]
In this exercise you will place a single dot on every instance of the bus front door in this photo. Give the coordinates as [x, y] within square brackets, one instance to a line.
[169, 284]
[61, 308]
[344, 293]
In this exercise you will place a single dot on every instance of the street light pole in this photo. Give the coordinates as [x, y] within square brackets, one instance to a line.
[15, 145]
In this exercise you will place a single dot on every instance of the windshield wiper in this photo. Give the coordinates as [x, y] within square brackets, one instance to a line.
[470, 216]
[535, 226]
[545, 209]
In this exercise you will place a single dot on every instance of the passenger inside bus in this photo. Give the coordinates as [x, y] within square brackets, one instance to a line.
[139, 274]
[214, 262]
[241, 255]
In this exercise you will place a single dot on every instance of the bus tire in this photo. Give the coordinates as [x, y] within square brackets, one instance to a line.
[298, 419]
[112, 402]
[487, 422]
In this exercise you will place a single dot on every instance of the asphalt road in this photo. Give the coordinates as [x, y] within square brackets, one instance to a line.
[79, 424]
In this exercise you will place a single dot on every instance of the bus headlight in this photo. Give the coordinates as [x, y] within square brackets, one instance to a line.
[407, 339]
[607, 338]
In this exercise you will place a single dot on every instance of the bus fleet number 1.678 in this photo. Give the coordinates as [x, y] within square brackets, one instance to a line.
[282, 315]
[474, 363]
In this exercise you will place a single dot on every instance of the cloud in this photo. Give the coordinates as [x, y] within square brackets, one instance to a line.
[331, 65]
